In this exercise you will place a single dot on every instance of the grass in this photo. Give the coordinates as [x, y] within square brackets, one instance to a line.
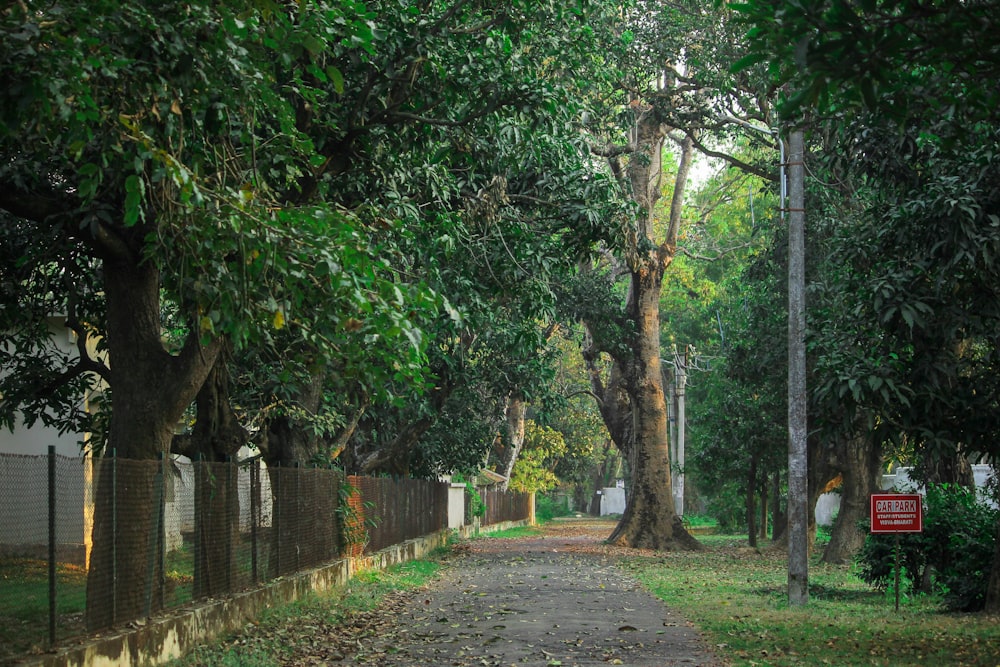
[24, 605]
[276, 636]
[734, 594]
[513, 533]
[738, 597]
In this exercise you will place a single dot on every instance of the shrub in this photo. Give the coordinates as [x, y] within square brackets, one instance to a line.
[547, 508]
[474, 504]
[954, 553]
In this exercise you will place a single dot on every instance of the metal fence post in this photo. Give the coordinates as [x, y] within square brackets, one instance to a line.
[114, 536]
[52, 545]
[254, 515]
[276, 522]
[197, 546]
[153, 556]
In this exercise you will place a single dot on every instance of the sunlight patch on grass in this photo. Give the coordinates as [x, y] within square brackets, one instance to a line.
[738, 596]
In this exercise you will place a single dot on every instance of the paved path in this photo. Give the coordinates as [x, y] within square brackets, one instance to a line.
[555, 600]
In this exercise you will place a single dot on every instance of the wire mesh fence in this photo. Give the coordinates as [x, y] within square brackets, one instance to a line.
[90, 543]
[504, 506]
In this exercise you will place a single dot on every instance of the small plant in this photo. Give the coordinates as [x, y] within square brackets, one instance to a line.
[354, 520]
[548, 508]
[474, 505]
[953, 555]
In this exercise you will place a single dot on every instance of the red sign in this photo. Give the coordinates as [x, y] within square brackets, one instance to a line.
[897, 513]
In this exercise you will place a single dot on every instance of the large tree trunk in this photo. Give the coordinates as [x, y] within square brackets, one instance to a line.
[513, 438]
[151, 389]
[861, 468]
[217, 437]
[650, 519]
[287, 448]
[778, 518]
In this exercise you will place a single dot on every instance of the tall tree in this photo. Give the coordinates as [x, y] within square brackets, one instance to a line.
[669, 88]
[930, 216]
[262, 171]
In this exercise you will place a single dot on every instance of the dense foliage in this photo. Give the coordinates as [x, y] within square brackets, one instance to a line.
[952, 556]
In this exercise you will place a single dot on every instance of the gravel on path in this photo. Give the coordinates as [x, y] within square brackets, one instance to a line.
[554, 600]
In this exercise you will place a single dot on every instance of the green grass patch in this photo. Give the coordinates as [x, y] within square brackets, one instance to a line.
[738, 597]
[513, 533]
[24, 604]
[274, 638]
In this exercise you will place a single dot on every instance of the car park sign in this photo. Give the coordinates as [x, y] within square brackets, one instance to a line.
[897, 513]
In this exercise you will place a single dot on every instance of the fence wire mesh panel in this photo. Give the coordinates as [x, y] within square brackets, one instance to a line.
[396, 510]
[132, 538]
[504, 506]
[24, 551]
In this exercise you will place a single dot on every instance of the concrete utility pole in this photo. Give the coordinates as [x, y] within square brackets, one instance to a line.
[798, 487]
[680, 365]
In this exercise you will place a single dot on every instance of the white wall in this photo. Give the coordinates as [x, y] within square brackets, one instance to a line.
[829, 503]
[612, 501]
[456, 505]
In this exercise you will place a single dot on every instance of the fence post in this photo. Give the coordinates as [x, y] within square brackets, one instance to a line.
[161, 553]
[254, 513]
[276, 521]
[114, 536]
[197, 546]
[297, 520]
[153, 556]
[231, 489]
[52, 545]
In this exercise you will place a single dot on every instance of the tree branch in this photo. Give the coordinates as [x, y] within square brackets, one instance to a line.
[736, 162]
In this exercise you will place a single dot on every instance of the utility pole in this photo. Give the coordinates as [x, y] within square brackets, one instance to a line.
[680, 364]
[798, 538]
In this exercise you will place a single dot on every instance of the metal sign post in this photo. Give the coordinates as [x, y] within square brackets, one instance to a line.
[897, 513]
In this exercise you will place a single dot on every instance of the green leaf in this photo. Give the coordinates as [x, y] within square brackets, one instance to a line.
[747, 61]
[336, 78]
[134, 189]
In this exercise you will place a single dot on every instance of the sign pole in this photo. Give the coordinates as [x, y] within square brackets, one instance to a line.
[896, 513]
[897, 573]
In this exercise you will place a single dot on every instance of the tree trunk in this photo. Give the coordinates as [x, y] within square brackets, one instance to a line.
[949, 468]
[861, 471]
[216, 437]
[513, 438]
[993, 585]
[763, 507]
[287, 448]
[650, 519]
[298, 492]
[778, 519]
[151, 389]
[751, 510]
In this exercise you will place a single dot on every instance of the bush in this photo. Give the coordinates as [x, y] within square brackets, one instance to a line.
[547, 508]
[474, 504]
[954, 553]
[728, 507]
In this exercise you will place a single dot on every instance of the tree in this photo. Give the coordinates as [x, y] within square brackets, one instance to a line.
[668, 88]
[260, 172]
[926, 210]
[533, 470]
